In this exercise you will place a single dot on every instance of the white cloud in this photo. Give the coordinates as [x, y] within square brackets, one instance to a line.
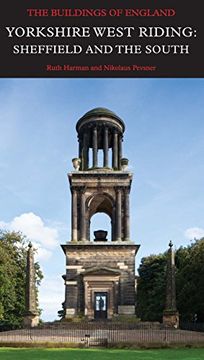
[44, 238]
[3, 225]
[194, 233]
[41, 253]
[34, 228]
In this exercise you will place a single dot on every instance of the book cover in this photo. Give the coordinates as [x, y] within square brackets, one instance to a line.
[140, 59]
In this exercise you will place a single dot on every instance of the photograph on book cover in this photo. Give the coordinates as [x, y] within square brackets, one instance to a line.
[101, 191]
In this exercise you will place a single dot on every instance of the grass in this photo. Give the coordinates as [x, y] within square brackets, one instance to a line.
[99, 354]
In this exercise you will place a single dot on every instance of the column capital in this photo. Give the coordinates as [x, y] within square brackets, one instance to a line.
[115, 130]
[118, 188]
[74, 188]
[82, 189]
[126, 190]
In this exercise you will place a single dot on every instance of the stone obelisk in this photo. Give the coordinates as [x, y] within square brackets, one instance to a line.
[170, 314]
[31, 317]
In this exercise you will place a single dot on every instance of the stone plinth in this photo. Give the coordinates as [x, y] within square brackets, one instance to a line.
[100, 267]
[171, 318]
[31, 320]
[126, 310]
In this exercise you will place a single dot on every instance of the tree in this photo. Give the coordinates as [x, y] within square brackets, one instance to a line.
[151, 287]
[189, 284]
[13, 278]
[190, 281]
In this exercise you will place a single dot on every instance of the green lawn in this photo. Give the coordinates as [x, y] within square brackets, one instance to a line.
[92, 354]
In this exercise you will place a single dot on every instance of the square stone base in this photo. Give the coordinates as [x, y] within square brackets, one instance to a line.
[31, 321]
[171, 319]
[70, 313]
[126, 310]
[100, 268]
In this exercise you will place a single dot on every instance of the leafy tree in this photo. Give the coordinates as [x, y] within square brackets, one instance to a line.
[190, 281]
[13, 278]
[189, 284]
[61, 314]
[151, 287]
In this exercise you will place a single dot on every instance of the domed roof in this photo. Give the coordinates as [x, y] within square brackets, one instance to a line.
[100, 111]
[97, 112]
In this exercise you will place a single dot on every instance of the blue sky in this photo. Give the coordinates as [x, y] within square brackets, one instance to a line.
[164, 141]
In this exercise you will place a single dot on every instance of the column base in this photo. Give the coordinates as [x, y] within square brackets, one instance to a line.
[70, 313]
[171, 318]
[126, 310]
[31, 321]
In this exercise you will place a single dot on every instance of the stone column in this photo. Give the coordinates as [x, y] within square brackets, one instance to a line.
[80, 152]
[105, 148]
[170, 314]
[127, 216]
[83, 217]
[88, 222]
[118, 214]
[115, 149]
[85, 152]
[87, 155]
[74, 215]
[95, 148]
[80, 146]
[119, 151]
[112, 228]
[31, 318]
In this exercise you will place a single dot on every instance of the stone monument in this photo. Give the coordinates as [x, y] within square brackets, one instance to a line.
[170, 314]
[31, 317]
[100, 273]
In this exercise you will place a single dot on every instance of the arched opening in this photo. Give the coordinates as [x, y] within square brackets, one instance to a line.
[100, 221]
[100, 215]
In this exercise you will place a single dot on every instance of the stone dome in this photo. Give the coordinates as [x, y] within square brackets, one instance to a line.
[100, 113]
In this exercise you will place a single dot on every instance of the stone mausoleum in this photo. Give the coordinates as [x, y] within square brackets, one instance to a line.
[100, 273]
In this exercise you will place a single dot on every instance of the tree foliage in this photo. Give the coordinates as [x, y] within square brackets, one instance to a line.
[190, 281]
[13, 278]
[189, 284]
[151, 287]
